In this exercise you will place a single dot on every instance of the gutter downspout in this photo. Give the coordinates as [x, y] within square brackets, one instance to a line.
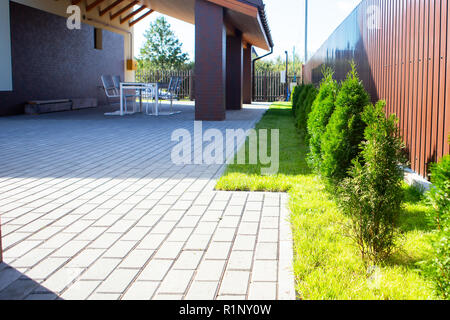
[253, 70]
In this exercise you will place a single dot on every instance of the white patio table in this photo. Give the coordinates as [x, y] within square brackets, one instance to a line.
[141, 87]
[138, 86]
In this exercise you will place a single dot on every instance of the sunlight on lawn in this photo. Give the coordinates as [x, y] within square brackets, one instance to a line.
[327, 264]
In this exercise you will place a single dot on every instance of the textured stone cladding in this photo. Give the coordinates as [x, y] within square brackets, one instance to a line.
[50, 62]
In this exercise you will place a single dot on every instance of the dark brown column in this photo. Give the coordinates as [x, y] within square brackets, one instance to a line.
[210, 61]
[247, 65]
[234, 72]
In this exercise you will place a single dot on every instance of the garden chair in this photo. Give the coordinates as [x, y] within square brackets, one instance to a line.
[172, 92]
[116, 80]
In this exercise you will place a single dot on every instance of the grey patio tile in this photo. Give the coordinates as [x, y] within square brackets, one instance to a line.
[210, 270]
[90, 233]
[136, 259]
[263, 291]
[117, 281]
[31, 258]
[85, 258]
[20, 249]
[188, 260]
[202, 290]
[265, 270]
[234, 283]
[244, 242]
[62, 278]
[240, 260]
[155, 270]
[224, 235]
[268, 235]
[18, 290]
[141, 290]
[151, 241]
[164, 227]
[42, 270]
[104, 296]
[198, 242]
[176, 281]
[105, 241]
[100, 269]
[248, 228]
[7, 276]
[169, 250]
[266, 251]
[80, 290]
[70, 249]
[218, 251]
[180, 234]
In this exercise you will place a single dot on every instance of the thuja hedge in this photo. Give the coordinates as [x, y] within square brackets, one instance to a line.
[305, 101]
[322, 109]
[373, 193]
[439, 196]
[345, 130]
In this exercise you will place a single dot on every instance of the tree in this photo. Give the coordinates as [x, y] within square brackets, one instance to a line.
[372, 195]
[321, 112]
[162, 49]
[345, 130]
[279, 64]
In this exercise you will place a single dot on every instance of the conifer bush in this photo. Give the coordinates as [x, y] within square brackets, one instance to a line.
[321, 111]
[345, 130]
[439, 197]
[295, 97]
[373, 194]
[301, 99]
[304, 110]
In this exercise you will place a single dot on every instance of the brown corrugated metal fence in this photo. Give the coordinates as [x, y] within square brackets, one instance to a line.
[401, 48]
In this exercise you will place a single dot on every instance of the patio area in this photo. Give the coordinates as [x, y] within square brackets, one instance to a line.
[92, 207]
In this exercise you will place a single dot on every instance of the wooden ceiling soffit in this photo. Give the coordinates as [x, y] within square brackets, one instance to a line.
[94, 4]
[124, 9]
[132, 23]
[237, 6]
[110, 7]
[132, 14]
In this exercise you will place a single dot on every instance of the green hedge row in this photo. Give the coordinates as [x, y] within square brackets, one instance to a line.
[356, 148]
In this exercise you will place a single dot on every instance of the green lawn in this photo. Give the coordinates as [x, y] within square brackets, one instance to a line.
[327, 264]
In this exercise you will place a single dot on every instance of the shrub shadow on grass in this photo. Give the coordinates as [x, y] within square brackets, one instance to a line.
[414, 226]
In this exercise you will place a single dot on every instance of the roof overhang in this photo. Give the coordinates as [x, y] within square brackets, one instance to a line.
[246, 16]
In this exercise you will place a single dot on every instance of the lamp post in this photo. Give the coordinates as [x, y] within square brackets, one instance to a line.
[306, 31]
[287, 84]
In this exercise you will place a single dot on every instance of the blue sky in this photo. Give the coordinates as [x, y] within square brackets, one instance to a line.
[286, 20]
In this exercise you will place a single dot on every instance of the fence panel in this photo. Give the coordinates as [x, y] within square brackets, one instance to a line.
[403, 60]
[268, 86]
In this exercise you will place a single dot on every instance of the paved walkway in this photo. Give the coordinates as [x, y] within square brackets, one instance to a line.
[92, 208]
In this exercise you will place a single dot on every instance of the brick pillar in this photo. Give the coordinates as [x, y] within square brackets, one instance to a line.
[210, 61]
[234, 72]
[247, 82]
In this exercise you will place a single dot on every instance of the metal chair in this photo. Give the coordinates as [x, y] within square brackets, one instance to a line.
[116, 80]
[149, 94]
[172, 92]
[111, 91]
